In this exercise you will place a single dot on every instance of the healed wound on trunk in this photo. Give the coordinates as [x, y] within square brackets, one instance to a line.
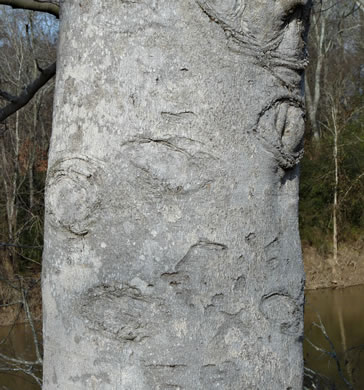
[274, 38]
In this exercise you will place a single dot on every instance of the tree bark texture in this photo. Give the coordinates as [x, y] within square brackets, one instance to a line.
[172, 255]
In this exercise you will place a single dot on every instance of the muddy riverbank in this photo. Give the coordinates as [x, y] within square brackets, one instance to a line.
[349, 267]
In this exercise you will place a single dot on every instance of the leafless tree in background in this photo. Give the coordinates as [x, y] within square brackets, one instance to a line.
[27, 52]
[27, 48]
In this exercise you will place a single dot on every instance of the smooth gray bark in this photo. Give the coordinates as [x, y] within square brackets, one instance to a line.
[172, 255]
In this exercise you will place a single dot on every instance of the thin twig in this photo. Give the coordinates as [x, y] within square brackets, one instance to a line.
[332, 354]
[23, 370]
[31, 323]
[11, 304]
[24, 362]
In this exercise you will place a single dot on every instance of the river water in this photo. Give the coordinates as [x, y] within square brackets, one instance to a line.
[334, 324]
[17, 342]
[340, 314]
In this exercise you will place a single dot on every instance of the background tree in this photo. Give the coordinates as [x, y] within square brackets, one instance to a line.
[332, 172]
[27, 45]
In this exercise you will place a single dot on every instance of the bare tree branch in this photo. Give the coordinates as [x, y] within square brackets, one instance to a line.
[360, 4]
[6, 244]
[332, 353]
[21, 100]
[11, 304]
[49, 7]
[27, 370]
[316, 380]
[17, 363]
[31, 323]
[7, 96]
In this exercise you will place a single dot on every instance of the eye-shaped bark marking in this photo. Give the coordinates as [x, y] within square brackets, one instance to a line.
[273, 34]
[280, 309]
[120, 312]
[74, 193]
[280, 129]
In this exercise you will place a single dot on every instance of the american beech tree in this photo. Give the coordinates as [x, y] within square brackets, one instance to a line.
[172, 255]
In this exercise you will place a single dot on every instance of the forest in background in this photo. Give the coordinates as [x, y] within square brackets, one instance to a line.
[27, 46]
[332, 169]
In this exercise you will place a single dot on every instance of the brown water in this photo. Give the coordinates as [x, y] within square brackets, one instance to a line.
[341, 313]
[17, 342]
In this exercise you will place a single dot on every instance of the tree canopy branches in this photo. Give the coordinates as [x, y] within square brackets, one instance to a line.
[50, 7]
[27, 94]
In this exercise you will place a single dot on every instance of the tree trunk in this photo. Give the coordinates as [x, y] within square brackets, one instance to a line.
[313, 98]
[172, 255]
[335, 205]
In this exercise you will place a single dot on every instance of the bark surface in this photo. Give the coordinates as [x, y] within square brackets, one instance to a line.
[172, 255]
